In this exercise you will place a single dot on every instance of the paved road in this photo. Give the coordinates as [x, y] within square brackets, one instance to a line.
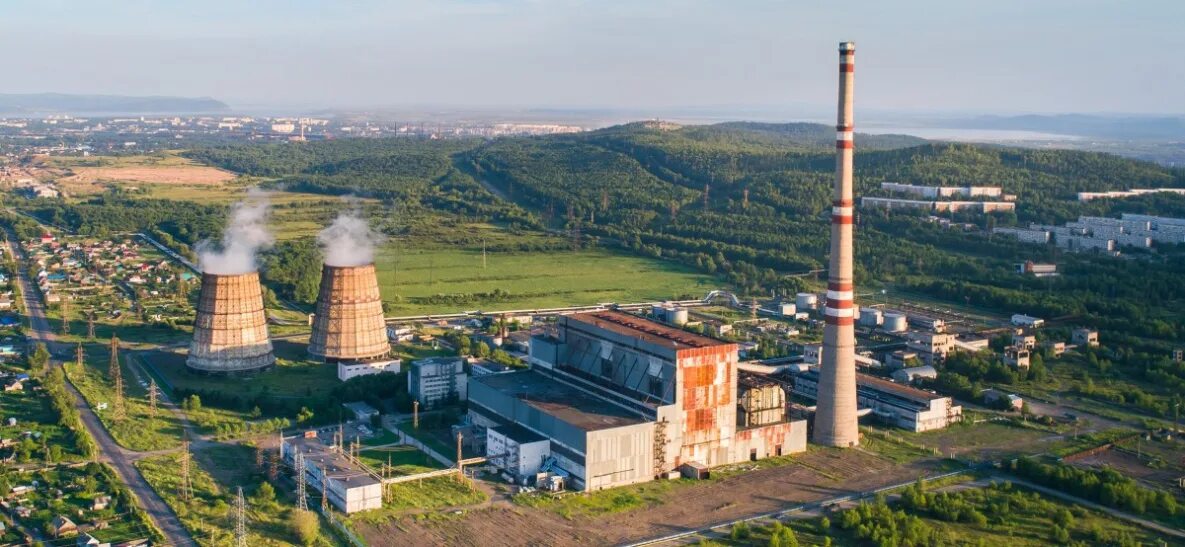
[119, 458]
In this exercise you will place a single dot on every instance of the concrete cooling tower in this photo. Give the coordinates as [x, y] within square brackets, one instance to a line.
[230, 330]
[348, 325]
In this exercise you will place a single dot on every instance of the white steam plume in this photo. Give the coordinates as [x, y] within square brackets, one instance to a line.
[349, 241]
[245, 235]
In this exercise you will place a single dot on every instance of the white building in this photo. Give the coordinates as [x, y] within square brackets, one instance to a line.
[346, 370]
[1027, 321]
[283, 128]
[437, 381]
[911, 375]
[516, 450]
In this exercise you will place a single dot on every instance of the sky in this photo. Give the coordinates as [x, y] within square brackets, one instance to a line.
[997, 56]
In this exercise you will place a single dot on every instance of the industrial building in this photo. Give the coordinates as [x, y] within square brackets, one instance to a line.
[230, 329]
[1036, 270]
[1084, 337]
[1023, 235]
[623, 399]
[348, 325]
[1022, 320]
[1116, 194]
[351, 486]
[902, 406]
[912, 375]
[943, 191]
[932, 348]
[1017, 357]
[437, 381]
[938, 206]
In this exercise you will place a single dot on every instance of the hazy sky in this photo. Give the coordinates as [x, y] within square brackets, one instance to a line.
[982, 55]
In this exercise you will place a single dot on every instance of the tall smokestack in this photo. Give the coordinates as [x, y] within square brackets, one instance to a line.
[230, 330]
[835, 417]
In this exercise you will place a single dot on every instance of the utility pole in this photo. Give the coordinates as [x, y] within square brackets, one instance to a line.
[298, 468]
[483, 253]
[460, 468]
[90, 324]
[415, 414]
[240, 520]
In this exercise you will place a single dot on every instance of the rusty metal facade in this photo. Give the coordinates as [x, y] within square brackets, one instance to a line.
[348, 324]
[230, 329]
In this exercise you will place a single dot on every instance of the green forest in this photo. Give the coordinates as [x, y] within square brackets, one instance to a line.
[742, 201]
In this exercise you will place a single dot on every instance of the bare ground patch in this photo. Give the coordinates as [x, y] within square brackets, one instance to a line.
[815, 476]
[170, 174]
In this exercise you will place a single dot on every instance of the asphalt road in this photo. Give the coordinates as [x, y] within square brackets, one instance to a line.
[119, 458]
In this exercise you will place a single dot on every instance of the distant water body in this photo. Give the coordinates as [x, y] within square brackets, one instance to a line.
[970, 135]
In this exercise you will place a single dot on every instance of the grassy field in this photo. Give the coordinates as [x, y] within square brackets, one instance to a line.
[404, 460]
[421, 280]
[1014, 517]
[990, 440]
[138, 430]
[208, 516]
[422, 496]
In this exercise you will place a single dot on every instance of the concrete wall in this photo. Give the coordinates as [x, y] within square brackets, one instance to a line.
[619, 456]
[768, 441]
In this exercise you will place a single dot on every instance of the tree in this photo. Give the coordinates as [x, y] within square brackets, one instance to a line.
[483, 350]
[305, 526]
[39, 359]
[265, 494]
[782, 536]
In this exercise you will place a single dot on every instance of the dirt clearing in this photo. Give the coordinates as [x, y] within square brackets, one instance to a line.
[172, 174]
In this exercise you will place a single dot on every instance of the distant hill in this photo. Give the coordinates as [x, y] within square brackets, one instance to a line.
[1086, 125]
[57, 103]
[777, 135]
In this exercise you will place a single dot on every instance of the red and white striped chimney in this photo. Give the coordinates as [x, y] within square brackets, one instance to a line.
[835, 417]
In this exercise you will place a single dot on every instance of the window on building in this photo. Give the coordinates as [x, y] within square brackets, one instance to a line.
[606, 368]
[656, 386]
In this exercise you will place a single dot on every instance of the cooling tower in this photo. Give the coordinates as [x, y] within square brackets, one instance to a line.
[230, 330]
[348, 325]
[835, 416]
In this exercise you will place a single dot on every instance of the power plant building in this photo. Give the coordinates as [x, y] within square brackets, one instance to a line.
[902, 406]
[230, 328]
[351, 486]
[623, 399]
[437, 381]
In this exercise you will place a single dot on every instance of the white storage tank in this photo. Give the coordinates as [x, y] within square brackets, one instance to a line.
[894, 322]
[806, 301]
[871, 317]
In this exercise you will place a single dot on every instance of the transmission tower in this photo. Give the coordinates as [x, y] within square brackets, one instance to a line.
[121, 410]
[745, 201]
[273, 469]
[152, 398]
[186, 483]
[301, 503]
[707, 190]
[113, 370]
[240, 520]
[324, 493]
[65, 316]
[79, 354]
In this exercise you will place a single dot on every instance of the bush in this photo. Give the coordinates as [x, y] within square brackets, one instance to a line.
[305, 526]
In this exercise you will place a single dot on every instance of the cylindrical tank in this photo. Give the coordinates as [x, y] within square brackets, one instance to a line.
[871, 317]
[806, 301]
[230, 329]
[895, 322]
[349, 325]
[679, 316]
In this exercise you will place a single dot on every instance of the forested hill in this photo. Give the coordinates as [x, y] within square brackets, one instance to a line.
[748, 201]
